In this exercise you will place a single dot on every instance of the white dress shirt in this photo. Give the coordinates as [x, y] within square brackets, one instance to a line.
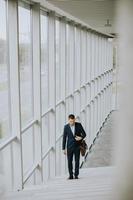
[73, 129]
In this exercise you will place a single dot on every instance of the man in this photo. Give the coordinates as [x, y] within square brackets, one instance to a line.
[72, 136]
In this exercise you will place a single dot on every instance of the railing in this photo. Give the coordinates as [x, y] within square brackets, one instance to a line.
[7, 142]
[51, 148]
[35, 121]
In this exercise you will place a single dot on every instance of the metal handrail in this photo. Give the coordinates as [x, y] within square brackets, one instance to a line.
[49, 110]
[47, 152]
[28, 175]
[58, 138]
[29, 125]
[8, 141]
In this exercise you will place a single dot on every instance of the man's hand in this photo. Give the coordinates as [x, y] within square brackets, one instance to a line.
[78, 138]
[64, 151]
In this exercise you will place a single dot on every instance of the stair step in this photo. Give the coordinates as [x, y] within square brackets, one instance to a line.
[93, 183]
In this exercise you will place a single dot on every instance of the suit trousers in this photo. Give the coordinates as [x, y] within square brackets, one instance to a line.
[76, 153]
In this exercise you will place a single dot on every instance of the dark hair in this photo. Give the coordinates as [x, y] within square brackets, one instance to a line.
[71, 116]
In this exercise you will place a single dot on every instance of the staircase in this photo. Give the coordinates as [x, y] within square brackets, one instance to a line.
[93, 184]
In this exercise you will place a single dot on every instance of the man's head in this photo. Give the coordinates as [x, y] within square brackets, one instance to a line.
[71, 119]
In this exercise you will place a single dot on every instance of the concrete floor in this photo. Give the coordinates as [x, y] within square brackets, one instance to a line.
[103, 149]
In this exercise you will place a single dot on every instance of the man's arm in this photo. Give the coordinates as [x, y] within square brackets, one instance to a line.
[64, 139]
[83, 131]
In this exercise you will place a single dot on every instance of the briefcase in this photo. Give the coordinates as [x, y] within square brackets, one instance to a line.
[83, 147]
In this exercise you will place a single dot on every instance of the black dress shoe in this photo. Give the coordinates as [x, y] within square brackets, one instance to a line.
[76, 177]
[70, 177]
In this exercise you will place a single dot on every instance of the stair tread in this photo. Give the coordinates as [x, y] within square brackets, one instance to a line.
[93, 182]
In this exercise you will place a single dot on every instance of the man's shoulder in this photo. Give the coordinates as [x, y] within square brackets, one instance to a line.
[66, 125]
[77, 123]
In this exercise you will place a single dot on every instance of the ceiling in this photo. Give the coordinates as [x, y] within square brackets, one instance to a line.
[96, 13]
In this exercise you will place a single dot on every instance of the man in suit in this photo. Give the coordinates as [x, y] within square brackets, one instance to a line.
[72, 136]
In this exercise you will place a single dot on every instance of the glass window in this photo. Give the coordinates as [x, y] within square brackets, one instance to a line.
[70, 59]
[58, 70]
[45, 133]
[25, 64]
[88, 49]
[77, 65]
[71, 56]
[44, 61]
[83, 57]
[67, 58]
[77, 104]
[28, 149]
[5, 128]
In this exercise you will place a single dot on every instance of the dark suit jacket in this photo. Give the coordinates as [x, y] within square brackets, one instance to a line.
[69, 138]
